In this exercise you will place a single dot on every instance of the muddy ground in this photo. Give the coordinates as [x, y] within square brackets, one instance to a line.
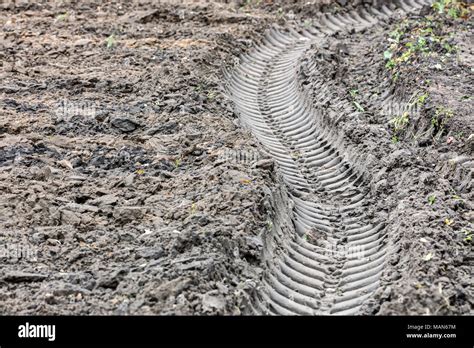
[420, 168]
[128, 186]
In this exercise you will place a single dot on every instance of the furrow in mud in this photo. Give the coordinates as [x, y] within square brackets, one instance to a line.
[333, 260]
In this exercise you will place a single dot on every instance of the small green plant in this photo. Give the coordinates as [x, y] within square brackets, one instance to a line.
[111, 42]
[441, 117]
[358, 106]
[431, 199]
[399, 123]
[421, 44]
[390, 64]
[428, 257]
[296, 154]
[448, 222]
[387, 55]
[211, 95]
[198, 88]
[396, 35]
[452, 8]
[453, 13]
[414, 39]
[269, 224]
[427, 31]
[62, 17]
[390, 61]
[177, 162]
[280, 12]
[467, 236]
[354, 93]
[418, 99]
[251, 3]
[421, 100]
[438, 6]
[459, 134]
[449, 48]
[404, 57]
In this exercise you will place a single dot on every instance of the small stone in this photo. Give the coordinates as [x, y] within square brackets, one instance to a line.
[129, 213]
[42, 174]
[70, 218]
[213, 302]
[193, 136]
[129, 179]
[265, 164]
[105, 200]
[68, 289]
[386, 294]
[65, 164]
[77, 178]
[81, 42]
[469, 216]
[23, 277]
[150, 253]
[444, 280]
[50, 299]
[126, 125]
[112, 280]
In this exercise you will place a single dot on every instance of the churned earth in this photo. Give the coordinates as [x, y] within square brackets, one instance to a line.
[129, 186]
[406, 114]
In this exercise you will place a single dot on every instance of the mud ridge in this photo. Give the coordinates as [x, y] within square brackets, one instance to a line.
[331, 259]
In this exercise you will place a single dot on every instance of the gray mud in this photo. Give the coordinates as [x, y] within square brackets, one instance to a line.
[130, 186]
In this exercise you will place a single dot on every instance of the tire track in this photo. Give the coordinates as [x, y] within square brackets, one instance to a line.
[333, 261]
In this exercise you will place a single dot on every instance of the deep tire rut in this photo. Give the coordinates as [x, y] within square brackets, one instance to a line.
[333, 261]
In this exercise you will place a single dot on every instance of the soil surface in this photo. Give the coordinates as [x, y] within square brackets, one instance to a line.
[129, 185]
[420, 172]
